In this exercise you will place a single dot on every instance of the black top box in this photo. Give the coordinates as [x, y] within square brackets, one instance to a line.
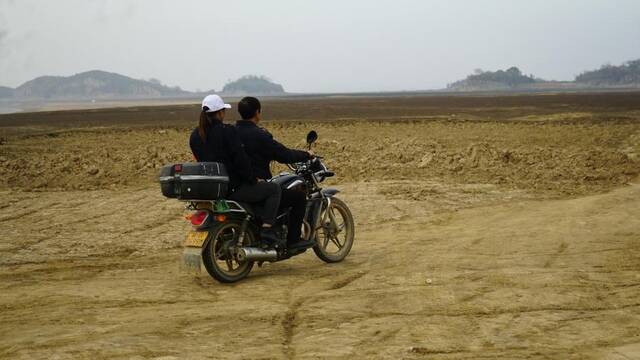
[195, 181]
[168, 184]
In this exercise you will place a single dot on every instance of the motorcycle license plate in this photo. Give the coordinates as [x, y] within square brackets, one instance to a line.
[195, 238]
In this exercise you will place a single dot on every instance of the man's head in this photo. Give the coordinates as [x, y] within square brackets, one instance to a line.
[250, 109]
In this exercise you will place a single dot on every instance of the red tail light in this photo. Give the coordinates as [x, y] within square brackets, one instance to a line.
[178, 167]
[199, 217]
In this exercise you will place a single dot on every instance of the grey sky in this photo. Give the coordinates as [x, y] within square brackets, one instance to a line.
[314, 46]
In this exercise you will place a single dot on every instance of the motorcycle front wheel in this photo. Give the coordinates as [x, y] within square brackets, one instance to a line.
[335, 237]
[218, 256]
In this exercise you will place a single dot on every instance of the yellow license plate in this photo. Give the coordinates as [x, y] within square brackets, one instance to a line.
[195, 238]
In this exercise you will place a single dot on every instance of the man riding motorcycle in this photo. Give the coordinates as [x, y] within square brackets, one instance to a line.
[262, 148]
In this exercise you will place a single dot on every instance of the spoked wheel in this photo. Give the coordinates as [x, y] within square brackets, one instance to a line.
[219, 255]
[335, 237]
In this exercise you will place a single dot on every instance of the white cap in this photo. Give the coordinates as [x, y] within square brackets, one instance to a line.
[214, 103]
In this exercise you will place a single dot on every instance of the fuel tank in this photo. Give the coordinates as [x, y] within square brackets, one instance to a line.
[288, 181]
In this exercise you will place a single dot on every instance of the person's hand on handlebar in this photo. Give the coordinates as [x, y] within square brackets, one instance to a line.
[311, 154]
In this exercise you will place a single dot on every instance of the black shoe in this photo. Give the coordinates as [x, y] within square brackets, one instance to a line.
[269, 236]
[301, 244]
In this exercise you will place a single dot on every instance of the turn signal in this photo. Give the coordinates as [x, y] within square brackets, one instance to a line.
[221, 218]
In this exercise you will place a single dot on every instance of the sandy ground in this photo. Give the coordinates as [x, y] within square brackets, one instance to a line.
[463, 276]
[474, 239]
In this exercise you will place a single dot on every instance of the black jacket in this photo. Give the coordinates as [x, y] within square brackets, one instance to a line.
[262, 149]
[223, 145]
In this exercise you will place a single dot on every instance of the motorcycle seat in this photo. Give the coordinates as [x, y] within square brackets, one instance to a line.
[248, 207]
[252, 209]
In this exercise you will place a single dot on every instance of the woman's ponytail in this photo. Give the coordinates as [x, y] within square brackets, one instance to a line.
[204, 121]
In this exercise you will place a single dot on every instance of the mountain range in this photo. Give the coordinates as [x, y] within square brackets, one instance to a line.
[624, 76]
[97, 84]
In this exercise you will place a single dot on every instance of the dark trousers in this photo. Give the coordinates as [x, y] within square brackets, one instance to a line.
[266, 194]
[296, 201]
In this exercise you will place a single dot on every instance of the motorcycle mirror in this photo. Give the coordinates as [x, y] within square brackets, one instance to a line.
[312, 136]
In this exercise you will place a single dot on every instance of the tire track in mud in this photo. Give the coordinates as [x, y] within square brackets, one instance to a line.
[288, 327]
[420, 350]
[497, 312]
[18, 215]
[28, 210]
[554, 257]
[478, 293]
[89, 304]
[78, 268]
[83, 225]
[164, 221]
[27, 245]
[346, 281]
[290, 319]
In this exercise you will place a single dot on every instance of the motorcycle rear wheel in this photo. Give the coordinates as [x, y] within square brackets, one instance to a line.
[335, 238]
[218, 257]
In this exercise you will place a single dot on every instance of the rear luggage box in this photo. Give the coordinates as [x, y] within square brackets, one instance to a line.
[168, 180]
[203, 181]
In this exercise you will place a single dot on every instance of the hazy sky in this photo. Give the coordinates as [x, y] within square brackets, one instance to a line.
[314, 46]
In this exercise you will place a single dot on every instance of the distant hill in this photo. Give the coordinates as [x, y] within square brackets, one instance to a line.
[93, 85]
[627, 74]
[6, 92]
[253, 85]
[511, 78]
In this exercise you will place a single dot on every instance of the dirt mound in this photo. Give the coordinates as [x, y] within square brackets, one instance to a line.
[547, 158]
[90, 160]
[554, 159]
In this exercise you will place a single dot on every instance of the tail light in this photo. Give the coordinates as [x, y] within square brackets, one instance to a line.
[199, 218]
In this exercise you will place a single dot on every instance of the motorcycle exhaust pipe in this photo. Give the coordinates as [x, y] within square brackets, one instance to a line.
[256, 254]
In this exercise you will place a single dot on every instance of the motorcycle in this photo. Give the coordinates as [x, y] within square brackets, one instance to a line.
[226, 234]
